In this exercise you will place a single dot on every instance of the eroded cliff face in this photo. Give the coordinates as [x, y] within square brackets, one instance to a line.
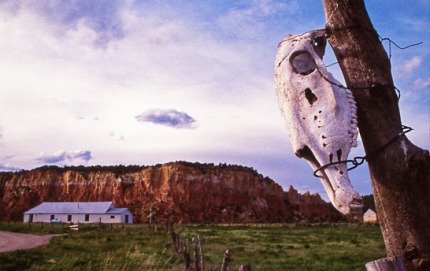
[180, 192]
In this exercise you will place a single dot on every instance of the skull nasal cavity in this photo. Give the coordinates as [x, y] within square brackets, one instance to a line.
[339, 154]
[304, 152]
[310, 96]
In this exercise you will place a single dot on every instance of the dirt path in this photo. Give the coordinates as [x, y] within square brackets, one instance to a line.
[12, 241]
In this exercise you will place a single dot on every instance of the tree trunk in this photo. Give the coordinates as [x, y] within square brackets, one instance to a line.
[400, 172]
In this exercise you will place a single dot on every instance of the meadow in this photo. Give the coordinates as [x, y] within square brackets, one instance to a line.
[143, 247]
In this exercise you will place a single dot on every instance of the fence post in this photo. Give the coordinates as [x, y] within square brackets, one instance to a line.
[196, 255]
[386, 264]
[227, 256]
[202, 256]
[245, 267]
[187, 255]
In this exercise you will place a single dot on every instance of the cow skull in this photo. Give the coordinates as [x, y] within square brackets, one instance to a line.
[320, 116]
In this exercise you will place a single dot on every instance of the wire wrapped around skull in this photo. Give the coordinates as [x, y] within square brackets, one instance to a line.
[320, 116]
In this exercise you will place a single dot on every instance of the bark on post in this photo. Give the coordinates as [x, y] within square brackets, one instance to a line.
[400, 173]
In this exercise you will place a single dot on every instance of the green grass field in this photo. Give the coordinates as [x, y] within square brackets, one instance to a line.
[140, 247]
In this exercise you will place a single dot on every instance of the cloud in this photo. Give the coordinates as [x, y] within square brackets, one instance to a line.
[167, 117]
[249, 19]
[421, 83]
[102, 17]
[5, 165]
[119, 137]
[414, 23]
[63, 156]
[8, 168]
[412, 64]
[111, 58]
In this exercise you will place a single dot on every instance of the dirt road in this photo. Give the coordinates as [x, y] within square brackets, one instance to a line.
[12, 241]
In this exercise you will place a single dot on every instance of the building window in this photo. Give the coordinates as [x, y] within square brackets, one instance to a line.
[69, 218]
[52, 217]
[112, 217]
[87, 217]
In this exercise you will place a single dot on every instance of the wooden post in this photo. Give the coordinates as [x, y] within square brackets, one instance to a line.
[179, 243]
[386, 264]
[399, 170]
[175, 239]
[202, 256]
[245, 267]
[187, 255]
[224, 264]
[196, 256]
[74, 227]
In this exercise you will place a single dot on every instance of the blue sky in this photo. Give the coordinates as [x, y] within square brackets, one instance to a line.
[147, 82]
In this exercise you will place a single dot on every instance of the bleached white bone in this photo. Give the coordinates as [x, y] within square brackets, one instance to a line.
[320, 116]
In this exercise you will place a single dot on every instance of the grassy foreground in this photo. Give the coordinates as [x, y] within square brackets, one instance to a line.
[140, 247]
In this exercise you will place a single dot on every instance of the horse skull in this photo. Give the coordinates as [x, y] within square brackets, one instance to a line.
[320, 116]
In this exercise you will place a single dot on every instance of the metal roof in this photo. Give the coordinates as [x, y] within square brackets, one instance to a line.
[369, 212]
[73, 208]
[117, 210]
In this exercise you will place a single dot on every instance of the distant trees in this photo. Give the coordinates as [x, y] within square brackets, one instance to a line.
[369, 203]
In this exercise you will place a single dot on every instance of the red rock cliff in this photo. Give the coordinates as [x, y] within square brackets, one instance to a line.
[180, 191]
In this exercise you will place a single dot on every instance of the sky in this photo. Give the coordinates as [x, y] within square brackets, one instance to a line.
[145, 82]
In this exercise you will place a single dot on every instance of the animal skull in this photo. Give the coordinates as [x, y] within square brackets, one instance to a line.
[320, 116]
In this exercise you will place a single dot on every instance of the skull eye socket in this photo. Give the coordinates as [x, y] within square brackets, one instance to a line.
[303, 63]
[319, 44]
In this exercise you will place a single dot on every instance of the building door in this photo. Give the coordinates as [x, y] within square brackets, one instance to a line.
[52, 217]
[87, 217]
[126, 219]
[30, 219]
[69, 218]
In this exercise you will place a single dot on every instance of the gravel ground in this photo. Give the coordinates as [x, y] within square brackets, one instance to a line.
[10, 241]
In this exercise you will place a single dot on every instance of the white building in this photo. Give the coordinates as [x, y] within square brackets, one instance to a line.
[370, 217]
[78, 212]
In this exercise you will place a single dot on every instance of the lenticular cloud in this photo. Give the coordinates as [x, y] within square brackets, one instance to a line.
[168, 117]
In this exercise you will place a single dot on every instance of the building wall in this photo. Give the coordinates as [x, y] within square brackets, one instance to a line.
[82, 218]
[371, 218]
[130, 217]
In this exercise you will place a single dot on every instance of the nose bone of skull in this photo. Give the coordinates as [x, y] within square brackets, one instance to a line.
[335, 181]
